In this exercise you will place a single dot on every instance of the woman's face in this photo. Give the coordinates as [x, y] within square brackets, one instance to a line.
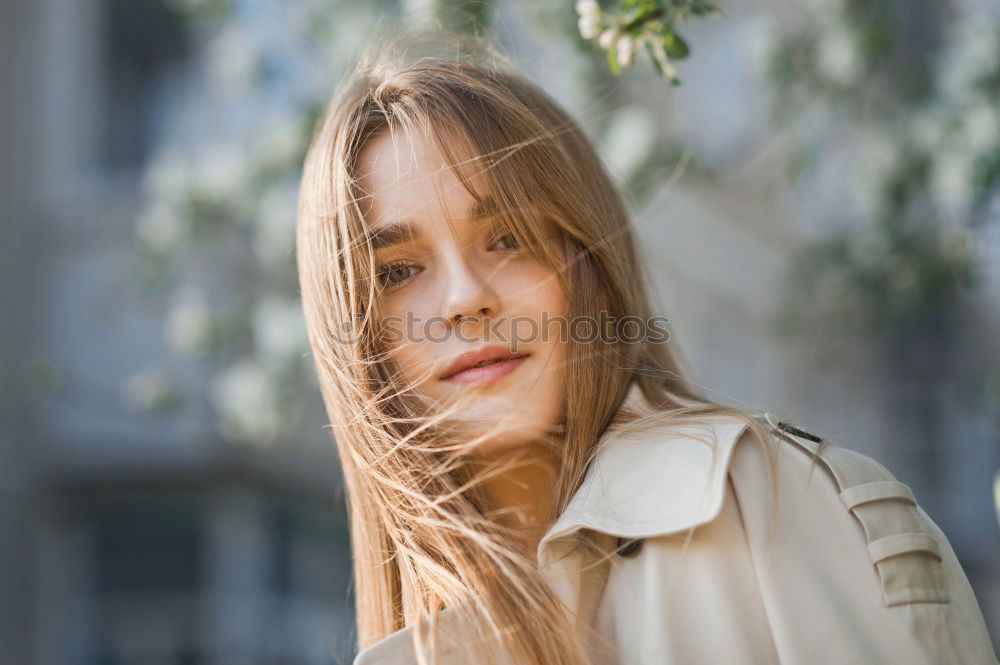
[453, 283]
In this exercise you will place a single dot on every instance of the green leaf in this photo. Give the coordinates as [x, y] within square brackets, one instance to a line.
[663, 66]
[651, 49]
[674, 45]
[705, 9]
[613, 57]
[641, 15]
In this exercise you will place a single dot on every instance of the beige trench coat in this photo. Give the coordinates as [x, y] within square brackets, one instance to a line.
[857, 574]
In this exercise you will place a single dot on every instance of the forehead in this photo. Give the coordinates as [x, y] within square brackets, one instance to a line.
[402, 175]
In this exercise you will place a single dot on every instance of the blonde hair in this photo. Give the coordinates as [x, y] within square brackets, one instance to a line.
[422, 539]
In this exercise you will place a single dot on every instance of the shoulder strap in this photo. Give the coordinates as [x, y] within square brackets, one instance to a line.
[848, 467]
[901, 544]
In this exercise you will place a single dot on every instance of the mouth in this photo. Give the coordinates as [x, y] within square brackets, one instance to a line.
[484, 366]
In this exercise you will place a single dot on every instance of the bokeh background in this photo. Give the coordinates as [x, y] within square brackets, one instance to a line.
[818, 198]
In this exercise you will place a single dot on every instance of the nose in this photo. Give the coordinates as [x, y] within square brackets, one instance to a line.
[468, 292]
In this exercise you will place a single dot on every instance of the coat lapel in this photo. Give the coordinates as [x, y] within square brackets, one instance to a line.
[652, 480]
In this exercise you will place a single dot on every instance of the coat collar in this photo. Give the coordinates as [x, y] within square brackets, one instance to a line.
[644, 481]
[651, 479]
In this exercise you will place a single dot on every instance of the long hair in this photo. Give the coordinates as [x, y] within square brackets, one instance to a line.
[421, 537]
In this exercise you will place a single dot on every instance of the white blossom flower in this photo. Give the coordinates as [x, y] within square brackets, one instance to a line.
[274, 236]
[590, 18]
[210, 150]
[281, 145]
[607, 37]
[590, 26]
[981, 126]
[837, 55]
[167, 175]
[951, 180]
[246, 398]
[625, 47]
[232, 59]
[279, 328]
[220, 170]
[160, 227]
[188, 326]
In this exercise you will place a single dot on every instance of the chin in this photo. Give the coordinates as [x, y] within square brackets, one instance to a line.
[508, 431]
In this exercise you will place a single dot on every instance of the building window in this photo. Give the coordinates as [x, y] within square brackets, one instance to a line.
[144, 45]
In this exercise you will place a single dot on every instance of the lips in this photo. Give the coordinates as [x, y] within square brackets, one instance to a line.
[489, 356]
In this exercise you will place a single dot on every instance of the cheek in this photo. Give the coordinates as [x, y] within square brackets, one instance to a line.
[416, 336]
[405, 317]
[545, 303]
[406, 352]
[531, 286]
[415, 360]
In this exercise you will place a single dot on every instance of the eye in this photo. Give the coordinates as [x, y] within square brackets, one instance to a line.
[506, 241]
[393, 274]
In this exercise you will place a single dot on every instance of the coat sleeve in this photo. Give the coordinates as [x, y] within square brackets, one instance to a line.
[852, 570]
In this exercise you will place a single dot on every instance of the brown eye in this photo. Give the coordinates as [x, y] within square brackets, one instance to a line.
[394, 274]
[506, 241]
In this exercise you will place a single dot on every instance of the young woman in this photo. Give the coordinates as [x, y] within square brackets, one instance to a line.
[531, 478]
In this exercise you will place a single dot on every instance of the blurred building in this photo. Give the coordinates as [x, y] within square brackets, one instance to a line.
[129, 537]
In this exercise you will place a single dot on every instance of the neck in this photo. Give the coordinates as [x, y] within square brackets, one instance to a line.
[521, 496]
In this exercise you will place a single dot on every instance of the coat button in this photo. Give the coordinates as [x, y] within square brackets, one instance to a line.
[629, 547]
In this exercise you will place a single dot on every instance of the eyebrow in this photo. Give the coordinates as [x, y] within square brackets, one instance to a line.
[395, 233]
